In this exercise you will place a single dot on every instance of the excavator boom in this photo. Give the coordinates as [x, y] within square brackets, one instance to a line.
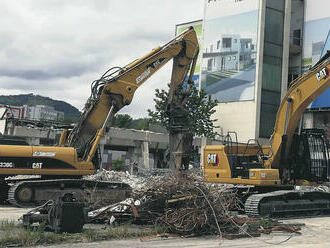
[118, 90]
[303, 91]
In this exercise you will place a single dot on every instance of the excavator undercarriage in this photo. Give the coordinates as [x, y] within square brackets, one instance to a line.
[29, 193]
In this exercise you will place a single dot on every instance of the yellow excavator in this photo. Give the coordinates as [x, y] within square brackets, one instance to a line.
[61, 167]
[296, 157]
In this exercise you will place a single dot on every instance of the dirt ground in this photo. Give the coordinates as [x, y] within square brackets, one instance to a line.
[315, 233]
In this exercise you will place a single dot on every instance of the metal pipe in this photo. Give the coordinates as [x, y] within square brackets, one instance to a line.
[99, 135]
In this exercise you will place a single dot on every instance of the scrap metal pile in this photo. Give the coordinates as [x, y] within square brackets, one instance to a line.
[185, 205]
[189, 205]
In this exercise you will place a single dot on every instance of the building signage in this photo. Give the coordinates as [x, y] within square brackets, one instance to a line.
[229, 51]
[316, 40]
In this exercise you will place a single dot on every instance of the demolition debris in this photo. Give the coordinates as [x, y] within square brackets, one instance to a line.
[181, 206]
[186, 206]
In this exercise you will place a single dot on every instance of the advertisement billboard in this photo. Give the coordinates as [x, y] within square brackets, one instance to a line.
[197, 25]
[316, 40]
[229, 52]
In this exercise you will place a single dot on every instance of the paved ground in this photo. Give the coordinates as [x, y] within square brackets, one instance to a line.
[316, 233]
[11, 213]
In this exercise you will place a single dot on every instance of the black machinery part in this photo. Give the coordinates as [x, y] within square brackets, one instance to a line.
[65, 214]
[286, 203]
[310, 156]
[37, 192]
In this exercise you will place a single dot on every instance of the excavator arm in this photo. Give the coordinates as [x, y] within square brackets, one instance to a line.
[303, 91]
[114, 90]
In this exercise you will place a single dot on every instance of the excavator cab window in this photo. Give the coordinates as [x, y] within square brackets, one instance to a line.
[241, 160]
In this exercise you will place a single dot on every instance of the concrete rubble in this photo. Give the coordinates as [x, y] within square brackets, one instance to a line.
[136, 182]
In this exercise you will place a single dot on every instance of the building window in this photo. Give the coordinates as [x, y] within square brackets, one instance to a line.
[218, 44]
[296, 37]
[235, 40]
[226, 42]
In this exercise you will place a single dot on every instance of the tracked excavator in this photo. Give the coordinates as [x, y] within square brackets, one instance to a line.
[62, 167]
[265, 176]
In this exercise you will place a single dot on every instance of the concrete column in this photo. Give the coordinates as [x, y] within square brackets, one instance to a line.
[145, 154]
[134, 157]
[33, 141]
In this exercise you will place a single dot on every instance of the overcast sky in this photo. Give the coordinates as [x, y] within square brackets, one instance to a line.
[56, 48]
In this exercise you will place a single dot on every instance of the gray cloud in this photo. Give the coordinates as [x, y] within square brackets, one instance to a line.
[67, 72]
[56, 48]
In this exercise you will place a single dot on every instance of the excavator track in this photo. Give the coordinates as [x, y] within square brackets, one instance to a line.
[34, 193]
[285, 203]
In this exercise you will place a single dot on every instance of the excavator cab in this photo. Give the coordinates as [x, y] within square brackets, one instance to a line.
[239, 163]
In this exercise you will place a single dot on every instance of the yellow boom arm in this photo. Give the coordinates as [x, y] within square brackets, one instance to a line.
[304, 91]
[118, 89]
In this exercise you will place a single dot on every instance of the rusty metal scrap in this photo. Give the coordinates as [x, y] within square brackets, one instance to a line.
[185, 205]
[188, 206]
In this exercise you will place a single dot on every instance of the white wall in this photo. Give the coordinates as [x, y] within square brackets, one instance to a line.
[237, 116]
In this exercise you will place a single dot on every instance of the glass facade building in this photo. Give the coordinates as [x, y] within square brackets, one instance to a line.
[272, 66]
[251, 51]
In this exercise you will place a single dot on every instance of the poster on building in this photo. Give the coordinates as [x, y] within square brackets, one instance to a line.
[229, 52]
[316, 40]
[197, 25]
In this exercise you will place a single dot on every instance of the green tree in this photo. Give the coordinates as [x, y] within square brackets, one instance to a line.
[122, 121]
[141, 124]
[188, 113]
[118, 165]
[195, 111]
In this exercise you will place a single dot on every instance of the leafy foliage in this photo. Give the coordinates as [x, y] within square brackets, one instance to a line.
[198, 108]
[118, 165]
[126, 121]
[141, 124]
[122, 121]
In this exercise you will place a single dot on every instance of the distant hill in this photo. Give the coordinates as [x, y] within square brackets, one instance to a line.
[32, 100]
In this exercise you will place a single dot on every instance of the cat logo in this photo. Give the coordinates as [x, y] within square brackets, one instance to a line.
[36, 165]
[213, 159]
[322, 74]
